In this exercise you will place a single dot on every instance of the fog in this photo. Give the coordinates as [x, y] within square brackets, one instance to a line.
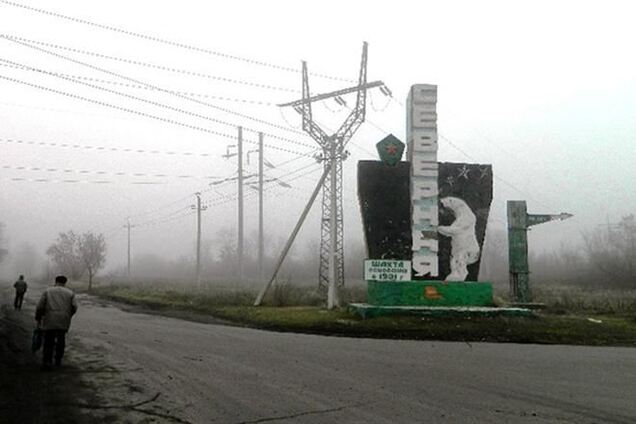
[545, 93]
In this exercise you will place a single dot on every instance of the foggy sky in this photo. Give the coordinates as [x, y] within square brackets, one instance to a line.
[544, 92]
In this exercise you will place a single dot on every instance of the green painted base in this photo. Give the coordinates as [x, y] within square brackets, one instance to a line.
[370, 311]
[429, 293]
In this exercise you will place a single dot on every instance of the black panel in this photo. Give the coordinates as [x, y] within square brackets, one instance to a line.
[383, 192]
[475, 188]
[385, 203]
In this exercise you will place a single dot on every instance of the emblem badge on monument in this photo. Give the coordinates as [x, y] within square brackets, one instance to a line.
[430, 213]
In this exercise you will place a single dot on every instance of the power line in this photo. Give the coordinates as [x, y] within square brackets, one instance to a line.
[150, 65]
[102, 149]
[229, 197]
[178, 213]
[463, 152]
[154, 87]
[76, 181]
[222, 196]
[151, 102]
[501, 180]
[161, 207]
[159, 222]
[116, 174]
[135, 112]
[141, 87]
[164, 41]
[164, 217]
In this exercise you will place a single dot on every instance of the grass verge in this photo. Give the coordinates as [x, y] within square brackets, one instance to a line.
[544, 328]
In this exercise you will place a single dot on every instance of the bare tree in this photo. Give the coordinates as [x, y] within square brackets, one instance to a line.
[76, 254]
[66, 256]
[92, 250]
[612, 253]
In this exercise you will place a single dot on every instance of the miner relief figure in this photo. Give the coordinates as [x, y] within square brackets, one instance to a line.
[464, 245]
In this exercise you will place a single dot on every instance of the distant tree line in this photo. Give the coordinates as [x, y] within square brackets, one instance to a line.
[604, 258]
[219, 261]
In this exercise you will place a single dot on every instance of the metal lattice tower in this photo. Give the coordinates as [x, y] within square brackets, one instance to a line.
[331, 272]
[325, 229]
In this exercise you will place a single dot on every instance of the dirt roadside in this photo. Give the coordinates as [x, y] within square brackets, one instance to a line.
[88, 388]
[27, 394]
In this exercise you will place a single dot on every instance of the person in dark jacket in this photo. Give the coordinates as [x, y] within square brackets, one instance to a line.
[20, 289]
[53, 314]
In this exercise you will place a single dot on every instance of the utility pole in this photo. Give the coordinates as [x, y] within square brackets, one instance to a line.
[240, 204]
[331, 272]
[128, 226]
[199, 208]
[260, 209]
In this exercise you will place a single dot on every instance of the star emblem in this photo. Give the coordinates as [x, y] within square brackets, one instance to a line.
[463, 172]
[450, 181]
[391, 149]
[483, 173]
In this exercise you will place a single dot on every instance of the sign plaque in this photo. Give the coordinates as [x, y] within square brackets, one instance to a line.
[387, 270]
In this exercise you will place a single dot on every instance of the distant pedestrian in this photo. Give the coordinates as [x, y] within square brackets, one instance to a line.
[20, 289]
[53, 314]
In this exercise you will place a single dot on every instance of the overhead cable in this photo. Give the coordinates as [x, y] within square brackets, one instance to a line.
[141, 87]
[116, 174]
[150, 65]
[155, 87]
[135, 112]
[165, 41]
[151, 102]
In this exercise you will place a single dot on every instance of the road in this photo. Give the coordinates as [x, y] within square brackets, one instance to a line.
[207, 373]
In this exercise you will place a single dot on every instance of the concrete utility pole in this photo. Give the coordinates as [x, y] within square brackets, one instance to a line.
[260, 209]
[128, 226]
[292, 237]
[259, 188]
[240, 204]
[199, 208]
[331, 273]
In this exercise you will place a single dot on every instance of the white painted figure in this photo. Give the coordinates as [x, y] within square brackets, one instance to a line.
[464, 246]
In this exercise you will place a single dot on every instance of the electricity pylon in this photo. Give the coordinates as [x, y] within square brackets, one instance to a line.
[331, 273]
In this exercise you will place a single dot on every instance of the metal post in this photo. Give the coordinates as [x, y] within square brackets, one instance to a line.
[332, 294]
[198, 269]
[240, 205]
[260, 209]
[518, 223]
[518, 251]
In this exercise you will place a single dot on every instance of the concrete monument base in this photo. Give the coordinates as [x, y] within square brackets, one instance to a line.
[429, 293]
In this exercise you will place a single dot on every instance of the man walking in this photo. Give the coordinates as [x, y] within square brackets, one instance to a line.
[53, 314]
[20, 289]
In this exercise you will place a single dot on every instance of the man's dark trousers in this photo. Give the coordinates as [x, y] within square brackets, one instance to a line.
[17, 303]
[53, 340]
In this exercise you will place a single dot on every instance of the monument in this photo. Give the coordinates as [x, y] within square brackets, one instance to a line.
[431, 215]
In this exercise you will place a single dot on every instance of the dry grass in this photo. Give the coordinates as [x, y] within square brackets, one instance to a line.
[567, 299]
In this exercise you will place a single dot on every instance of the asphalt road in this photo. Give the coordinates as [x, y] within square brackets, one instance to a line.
[207, 373]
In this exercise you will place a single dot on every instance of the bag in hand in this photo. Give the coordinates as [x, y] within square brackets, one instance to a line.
[36, 341]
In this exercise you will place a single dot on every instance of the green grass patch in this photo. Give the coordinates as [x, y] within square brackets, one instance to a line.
[235, 307]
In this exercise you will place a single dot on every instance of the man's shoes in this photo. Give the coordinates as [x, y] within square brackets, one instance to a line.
[46, 367]
[58, 363]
